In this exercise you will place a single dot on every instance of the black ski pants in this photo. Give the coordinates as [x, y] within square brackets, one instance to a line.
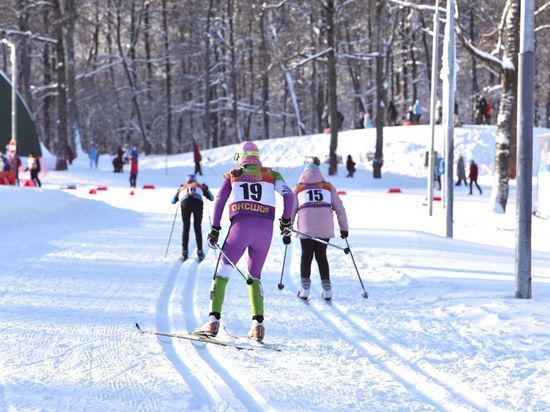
[35, 179]
[191, 206]
[312, 248]
[475, 182]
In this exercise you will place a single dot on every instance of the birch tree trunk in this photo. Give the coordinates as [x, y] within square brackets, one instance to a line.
[62, 137]
[332, 88]
[505, 153]
[168, 73]
[207, 94]
[74, 120]
[505, 140]
[264, 55]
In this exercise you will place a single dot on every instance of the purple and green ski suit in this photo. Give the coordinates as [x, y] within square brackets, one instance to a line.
[250, 191]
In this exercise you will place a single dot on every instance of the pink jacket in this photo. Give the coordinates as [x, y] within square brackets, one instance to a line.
[318, 221]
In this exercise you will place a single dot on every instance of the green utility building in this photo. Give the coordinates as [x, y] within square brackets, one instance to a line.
[27, 137]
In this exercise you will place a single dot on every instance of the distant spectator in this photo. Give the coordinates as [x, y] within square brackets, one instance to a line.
[350, 165]
[392, 114]
[134, 154]
[197, 158]
[439, 170]
[69, 155]
[488, 112]
[5, 163]
[15, 164]
[93, 155]
[481, 110]
[118, 161]
[33, 166]
[410, 118]
[473, 176]
[438, 112]
[461, 171]
[340, 118]
[358, 123]
[367, 123]
[417, 110]
[133, 171]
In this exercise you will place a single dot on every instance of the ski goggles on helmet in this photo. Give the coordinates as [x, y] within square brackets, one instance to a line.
[239, 155]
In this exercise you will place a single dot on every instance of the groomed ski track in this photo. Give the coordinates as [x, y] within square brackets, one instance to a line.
[205, 368]
[432, 386]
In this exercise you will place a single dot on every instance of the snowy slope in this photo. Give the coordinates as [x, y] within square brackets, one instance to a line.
[441, 329]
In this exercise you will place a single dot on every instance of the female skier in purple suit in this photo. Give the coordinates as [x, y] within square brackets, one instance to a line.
[250, 190]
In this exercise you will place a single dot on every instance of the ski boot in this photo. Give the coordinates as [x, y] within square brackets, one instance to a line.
[257, 331]
[200, 255]
[303, 293]
[210, 328]
[184, 255]
[327, 291]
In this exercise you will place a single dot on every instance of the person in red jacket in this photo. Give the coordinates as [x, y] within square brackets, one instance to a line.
[133, 171]
[473, 176]
[197, 157]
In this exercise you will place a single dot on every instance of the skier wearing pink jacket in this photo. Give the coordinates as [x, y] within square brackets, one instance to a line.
[314, 202]
[250, 190]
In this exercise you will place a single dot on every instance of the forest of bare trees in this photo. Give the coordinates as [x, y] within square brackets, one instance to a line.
[158, 73]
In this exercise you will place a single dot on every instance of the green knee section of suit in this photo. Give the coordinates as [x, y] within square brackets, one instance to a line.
[217, 293]
[256, 295]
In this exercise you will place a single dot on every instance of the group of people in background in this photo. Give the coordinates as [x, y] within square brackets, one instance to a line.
[460, 172]
[250, 190]
[472, 175]
[483, 110]
[483, 113]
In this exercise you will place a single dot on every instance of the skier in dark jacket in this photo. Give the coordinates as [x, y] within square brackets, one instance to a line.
[33, 166]
[191, 193]
[350, 166]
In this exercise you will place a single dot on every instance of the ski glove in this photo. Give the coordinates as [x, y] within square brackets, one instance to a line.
[286, 240]
[175, 200]
[344, 234]
[213, 236]
[285, 225]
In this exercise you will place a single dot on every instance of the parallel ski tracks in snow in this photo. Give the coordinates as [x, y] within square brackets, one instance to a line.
[207, 370]
[434, 387]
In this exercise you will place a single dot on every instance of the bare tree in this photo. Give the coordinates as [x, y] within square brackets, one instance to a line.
[506, 65]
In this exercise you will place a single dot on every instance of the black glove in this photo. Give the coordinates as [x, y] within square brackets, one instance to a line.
[213, 236]
[344, 234]
[285, 225]
[286, 240]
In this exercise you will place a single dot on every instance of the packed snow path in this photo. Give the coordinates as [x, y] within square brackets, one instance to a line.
[441, 329]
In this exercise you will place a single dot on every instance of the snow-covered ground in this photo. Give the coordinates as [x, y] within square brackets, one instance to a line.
[441, 329]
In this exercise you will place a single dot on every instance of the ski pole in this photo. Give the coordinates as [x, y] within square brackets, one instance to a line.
[210, 221]
[346, 250]
[365, 293]
[248, 280]
[281, 286]
[171, 230]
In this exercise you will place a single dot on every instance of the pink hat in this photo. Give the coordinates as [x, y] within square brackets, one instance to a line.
[248, 154]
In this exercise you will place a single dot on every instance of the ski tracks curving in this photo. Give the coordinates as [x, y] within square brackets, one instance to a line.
[207, 370]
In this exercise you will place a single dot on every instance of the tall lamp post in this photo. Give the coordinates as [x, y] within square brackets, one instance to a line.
[13, 88]
[13, 140]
